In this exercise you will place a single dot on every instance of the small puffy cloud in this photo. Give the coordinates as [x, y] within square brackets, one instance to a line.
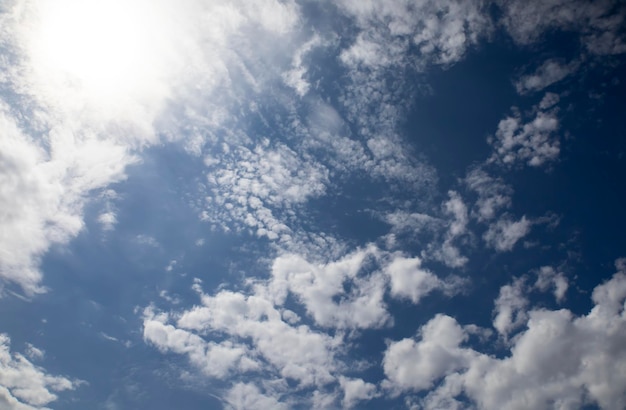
[448, 251]
[493, 193]
[548, 73]
[548, 278]
[532, 143]
[34, 353]
[24, 386]
[510, 310]
[356, 390]
[107, 220]
[549, 100]
[416, 365]
[410, 281]
[504, 234]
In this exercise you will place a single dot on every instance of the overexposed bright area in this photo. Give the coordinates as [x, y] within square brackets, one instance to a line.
[98, 55]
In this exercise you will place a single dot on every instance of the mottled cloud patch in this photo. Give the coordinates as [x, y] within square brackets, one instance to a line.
[532, 143]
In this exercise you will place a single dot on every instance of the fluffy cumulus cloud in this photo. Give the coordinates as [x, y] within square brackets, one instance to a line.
[532, 143]
[549, 278]
[237, 335]
[558, 360]
[25, 386]
[356, 390]
[318, 287]
[410, 281]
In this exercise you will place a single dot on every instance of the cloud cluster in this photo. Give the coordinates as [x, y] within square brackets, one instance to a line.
[237, 335]
[25, 386]
[532, 143]
[558, 360]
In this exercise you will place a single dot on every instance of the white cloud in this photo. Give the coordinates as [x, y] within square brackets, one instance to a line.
[82, 112]
[43, 192]
[318, 286]
[34, 353]
[441, 31]
[409, 280]
[249, 186]
[503, 234]
[548, 73]
[356, 390]
[247, 396]
[214, 359]
[532, 143]
[493, 194]
[548, 278]
[108, 220]
[295, 77]
[549, 100]
[234, 335]
[411, 365]
[560, 360]
[511, 308]
[598, 23]
[24, 386]
[448, 252]
[294, 352]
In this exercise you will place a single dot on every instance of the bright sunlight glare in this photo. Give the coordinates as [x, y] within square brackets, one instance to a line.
[104, 48]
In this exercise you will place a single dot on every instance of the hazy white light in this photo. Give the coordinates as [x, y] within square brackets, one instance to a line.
[103, 49]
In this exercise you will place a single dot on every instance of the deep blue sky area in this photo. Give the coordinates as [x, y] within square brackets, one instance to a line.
[312, 205]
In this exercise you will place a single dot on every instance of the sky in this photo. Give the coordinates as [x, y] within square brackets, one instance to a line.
[281, 204]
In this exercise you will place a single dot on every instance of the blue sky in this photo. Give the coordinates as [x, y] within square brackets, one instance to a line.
[311, 204]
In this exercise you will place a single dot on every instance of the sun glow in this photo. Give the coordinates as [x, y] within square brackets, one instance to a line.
[102, 49]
